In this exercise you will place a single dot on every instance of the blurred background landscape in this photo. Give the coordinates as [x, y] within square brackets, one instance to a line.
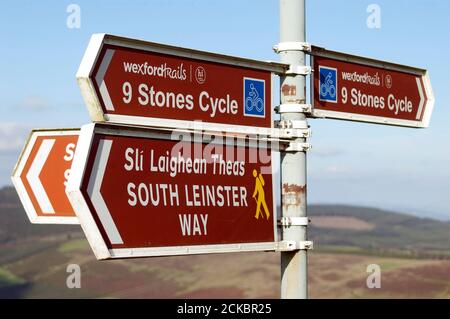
[413, 253]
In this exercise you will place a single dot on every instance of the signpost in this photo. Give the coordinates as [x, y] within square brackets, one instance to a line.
[41, 174]
[160, 186]
[366, 90]
[143, 83]
[143, 193]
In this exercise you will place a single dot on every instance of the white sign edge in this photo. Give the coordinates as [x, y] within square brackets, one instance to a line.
[429, 106]
[76, 198]
[85, 84]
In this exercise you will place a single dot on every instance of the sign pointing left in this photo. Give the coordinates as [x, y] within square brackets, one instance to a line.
[129, 81]
[141, 193]
[41, 174]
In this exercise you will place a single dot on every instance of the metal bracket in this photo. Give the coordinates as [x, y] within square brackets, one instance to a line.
[306, 245]
[294, 108]
[292, 46]
[287, 245]
[298, 147]
[299, 70]
[293, 221]
[291, 245]
[293, 129]
[295, 124]
[293, 133]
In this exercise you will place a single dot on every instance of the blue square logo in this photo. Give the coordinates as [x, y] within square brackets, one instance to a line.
[328, 86]
[254, 99]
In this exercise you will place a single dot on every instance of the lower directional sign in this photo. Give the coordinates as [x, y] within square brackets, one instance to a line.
[140, 192]
[41, 175]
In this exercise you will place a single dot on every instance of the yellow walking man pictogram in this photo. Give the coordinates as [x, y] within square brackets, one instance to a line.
[259, 190]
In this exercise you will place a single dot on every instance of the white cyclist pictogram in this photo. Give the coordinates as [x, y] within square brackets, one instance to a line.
[254, 101]
[327, 88]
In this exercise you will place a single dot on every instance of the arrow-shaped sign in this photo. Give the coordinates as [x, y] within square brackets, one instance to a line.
[130, 81]
[360, 89]
[41, 175]
[212, 200]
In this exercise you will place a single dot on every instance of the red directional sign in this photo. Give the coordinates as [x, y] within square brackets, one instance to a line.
[140, 193]
[360, 89]
[41, 175]
[136, 82]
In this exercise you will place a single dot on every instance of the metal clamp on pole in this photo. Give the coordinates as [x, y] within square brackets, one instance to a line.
[295, 124]
[286, 245]
[293, 221]
[306, 245]
[294, 108]
[290, 133]
[290, 245]
[298, 147]
[292, 46]
[299, 70]
[293, 128]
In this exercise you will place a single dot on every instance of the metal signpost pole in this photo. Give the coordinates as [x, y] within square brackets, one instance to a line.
[291, 48]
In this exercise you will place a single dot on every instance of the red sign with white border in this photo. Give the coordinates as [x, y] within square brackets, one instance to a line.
[142, 83]
[361, 89]
[141, 193]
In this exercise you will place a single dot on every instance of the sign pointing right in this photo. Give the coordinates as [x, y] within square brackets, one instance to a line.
[360, 89]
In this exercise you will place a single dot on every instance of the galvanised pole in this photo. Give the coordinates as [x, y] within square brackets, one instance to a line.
[294, 268]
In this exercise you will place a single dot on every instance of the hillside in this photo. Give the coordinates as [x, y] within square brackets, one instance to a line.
[33, 261]
[337, 226]
[349, 228]
[14, 223]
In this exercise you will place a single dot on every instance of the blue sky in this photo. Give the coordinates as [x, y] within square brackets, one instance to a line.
[388, 167]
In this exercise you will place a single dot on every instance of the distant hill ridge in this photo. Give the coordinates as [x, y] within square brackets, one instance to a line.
[334, 227]
[383, 232]
[15, 226]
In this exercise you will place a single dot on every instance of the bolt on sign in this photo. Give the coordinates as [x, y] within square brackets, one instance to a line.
[360, 89]
[41, 173]
[136, 82]
[141, 192]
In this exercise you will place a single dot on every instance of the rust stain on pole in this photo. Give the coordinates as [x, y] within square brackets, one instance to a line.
[289, 90]
[292, 194]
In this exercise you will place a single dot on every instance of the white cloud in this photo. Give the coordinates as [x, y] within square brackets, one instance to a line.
[12, 137]
[34, 103]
